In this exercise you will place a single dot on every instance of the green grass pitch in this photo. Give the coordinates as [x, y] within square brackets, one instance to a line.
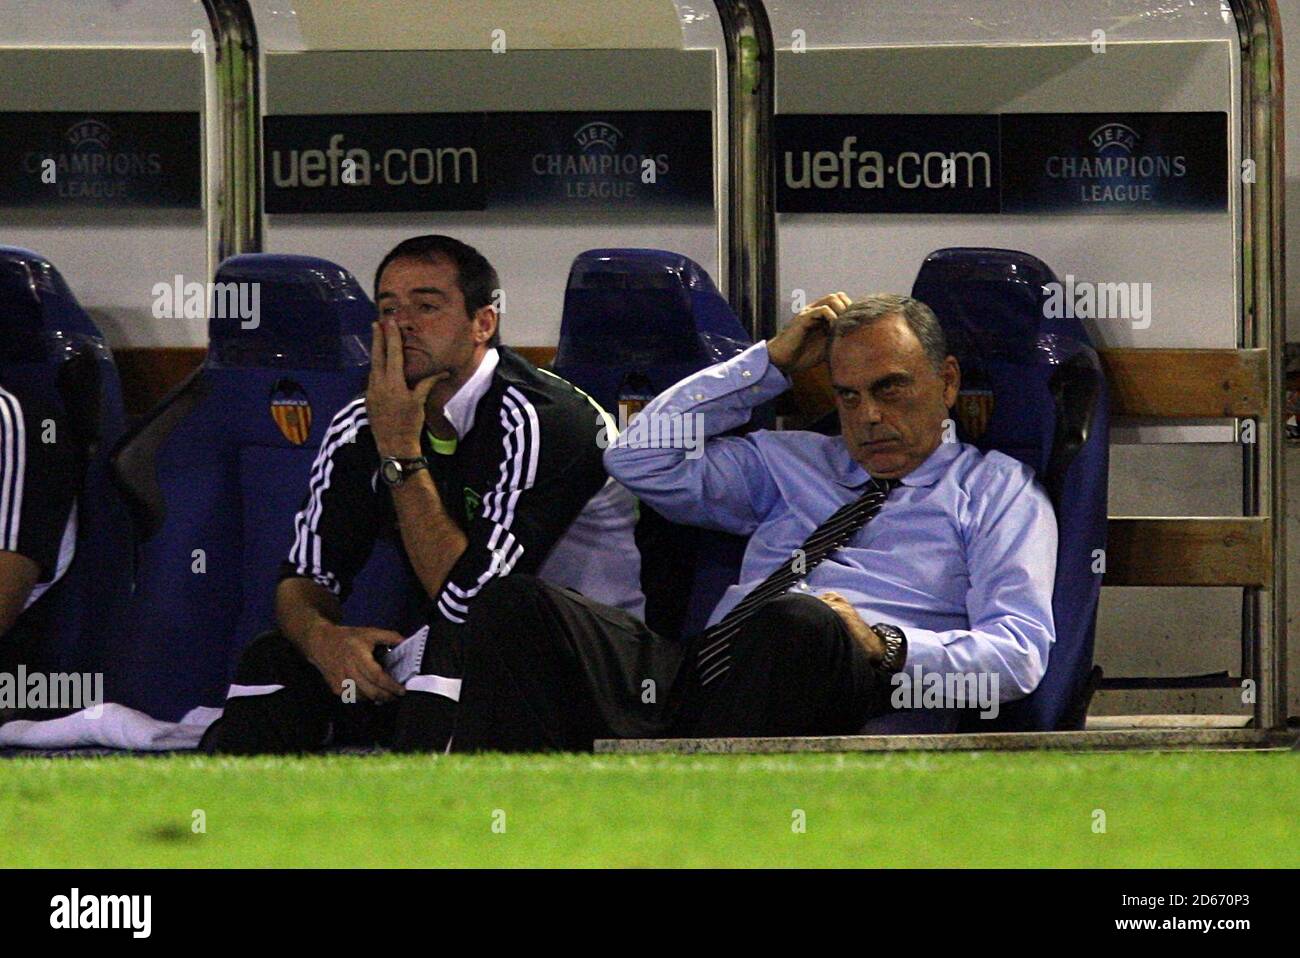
[1205, 809]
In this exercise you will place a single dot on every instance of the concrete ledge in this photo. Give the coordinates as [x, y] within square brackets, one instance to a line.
[1088, 741]
[1098, 722]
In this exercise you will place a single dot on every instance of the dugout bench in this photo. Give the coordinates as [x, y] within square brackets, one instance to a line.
[1242, 384]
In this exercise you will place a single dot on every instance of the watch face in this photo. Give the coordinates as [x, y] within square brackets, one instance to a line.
[391, 472]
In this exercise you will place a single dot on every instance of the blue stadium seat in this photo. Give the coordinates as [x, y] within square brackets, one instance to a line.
[50, 347]
[1033, 388]
[635, 322]
[641, 316]
[222, 466]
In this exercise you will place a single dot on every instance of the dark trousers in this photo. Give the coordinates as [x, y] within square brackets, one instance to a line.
[305, 716]
[22, 648]
[548, 669]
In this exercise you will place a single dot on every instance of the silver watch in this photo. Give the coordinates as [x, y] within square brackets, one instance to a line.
[895, 646]
[396, 471]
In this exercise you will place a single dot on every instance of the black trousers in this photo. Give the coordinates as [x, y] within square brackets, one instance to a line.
[548, 669]
[305, 716]
[22, 648]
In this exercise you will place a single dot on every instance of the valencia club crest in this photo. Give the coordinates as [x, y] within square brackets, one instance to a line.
[291, 410]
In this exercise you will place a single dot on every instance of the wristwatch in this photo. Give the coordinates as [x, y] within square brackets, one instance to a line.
[895, 646]
[395, 471]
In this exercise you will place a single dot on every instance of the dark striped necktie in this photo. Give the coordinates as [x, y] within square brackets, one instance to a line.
[714, 656]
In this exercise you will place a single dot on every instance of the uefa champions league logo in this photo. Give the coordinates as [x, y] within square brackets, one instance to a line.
[598, 133]
[597, 171]
[93, 169]
[1118, 172]
[1114, 137]
[89, 133]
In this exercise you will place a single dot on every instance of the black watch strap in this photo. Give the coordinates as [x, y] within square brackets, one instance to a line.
[404, 468]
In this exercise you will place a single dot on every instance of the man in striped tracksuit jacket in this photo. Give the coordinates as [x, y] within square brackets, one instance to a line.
[482, 465]
[40, 473]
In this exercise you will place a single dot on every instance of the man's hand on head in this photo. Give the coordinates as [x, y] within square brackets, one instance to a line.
[396, 411]
[343, 653]
[803, 344]
[862, 633]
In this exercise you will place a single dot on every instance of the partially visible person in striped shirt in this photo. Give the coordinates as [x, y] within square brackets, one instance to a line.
[38, 513]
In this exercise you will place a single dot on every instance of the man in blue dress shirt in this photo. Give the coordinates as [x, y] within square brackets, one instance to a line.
[951, 576]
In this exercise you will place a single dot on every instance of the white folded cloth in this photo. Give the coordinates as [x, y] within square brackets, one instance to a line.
[109, 726]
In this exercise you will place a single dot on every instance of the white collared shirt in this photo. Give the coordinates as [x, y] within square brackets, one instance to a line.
[461, 407]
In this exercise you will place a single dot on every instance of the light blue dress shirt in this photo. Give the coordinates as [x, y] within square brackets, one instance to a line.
[961, 557]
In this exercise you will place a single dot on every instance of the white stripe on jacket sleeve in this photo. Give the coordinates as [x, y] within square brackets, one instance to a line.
[13, 467]
[521, 451]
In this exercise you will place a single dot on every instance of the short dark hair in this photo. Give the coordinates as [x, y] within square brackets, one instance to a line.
[920, 319]
[475, 276]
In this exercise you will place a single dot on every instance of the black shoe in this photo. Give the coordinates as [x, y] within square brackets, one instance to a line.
[425, 722]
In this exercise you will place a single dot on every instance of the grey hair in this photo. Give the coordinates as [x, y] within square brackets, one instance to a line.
[919, 317]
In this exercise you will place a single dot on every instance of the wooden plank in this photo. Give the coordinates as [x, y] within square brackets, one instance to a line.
[541, 356]
[1100, 723]
[810, 394]
[149, 373]
[1177, 383]
[1187, 383]
[1163, 383]
[1193, 551]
